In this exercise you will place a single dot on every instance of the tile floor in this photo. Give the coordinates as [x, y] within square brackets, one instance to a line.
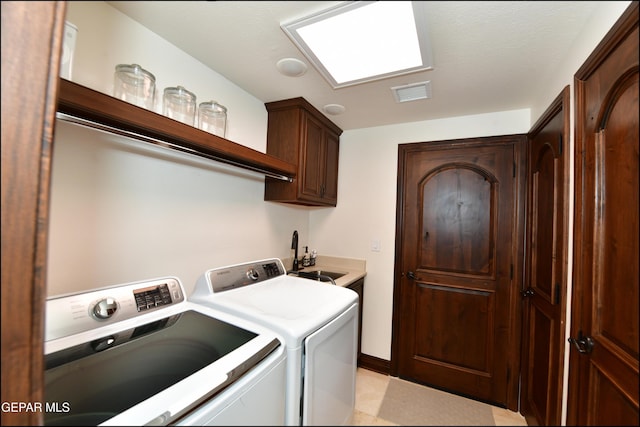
[370, 389]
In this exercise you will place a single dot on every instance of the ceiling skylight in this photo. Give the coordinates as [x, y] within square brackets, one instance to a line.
[361, 41]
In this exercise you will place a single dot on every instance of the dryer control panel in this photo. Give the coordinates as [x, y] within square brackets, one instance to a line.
[236, 276]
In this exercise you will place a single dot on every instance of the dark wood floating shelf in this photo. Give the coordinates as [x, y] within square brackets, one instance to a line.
[90, 106]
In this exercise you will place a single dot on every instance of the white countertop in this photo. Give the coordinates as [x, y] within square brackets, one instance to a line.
[352, 268]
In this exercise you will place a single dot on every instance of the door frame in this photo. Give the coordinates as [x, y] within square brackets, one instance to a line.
[32, 43]
[517, 253]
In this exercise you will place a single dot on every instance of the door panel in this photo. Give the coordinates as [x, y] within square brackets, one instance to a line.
[457, 240]
[544, 297]
[454, 345]
[457, 223]
[603, 377]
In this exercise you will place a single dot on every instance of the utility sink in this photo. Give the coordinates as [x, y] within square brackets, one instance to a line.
[331, 274]
[320, 275]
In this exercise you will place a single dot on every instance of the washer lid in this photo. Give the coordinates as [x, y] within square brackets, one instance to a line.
[153, 373]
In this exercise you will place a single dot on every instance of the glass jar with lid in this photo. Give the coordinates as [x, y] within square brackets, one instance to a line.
[179, 104]
[212, 118]
[134, 84]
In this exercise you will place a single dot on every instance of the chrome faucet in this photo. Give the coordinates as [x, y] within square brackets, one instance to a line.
[294, 245]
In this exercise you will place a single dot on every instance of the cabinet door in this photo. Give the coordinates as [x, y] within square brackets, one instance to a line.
[311, 163]
[319, 165]
[329, 189]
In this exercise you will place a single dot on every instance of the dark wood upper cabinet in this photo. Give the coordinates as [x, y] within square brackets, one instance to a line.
[298, 133]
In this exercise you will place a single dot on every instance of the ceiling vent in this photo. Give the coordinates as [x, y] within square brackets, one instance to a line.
[412, 92]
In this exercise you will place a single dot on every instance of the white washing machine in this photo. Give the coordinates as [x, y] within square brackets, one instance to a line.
[139, 353]
[318, 322]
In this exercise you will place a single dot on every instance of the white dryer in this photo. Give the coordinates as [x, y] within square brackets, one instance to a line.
[318, 322]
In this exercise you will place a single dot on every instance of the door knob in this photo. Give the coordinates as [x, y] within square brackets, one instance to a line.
[411, 275]
[583, 344]
[527, 292]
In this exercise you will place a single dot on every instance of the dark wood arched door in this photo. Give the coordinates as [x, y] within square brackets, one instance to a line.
[603, 364]
[456, 296]
[544, 297]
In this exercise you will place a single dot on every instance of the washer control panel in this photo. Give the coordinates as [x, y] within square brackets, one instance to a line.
[153, 296]
[73, 313]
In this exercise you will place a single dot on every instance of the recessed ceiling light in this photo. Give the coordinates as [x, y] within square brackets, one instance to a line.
[291, 67]
[334, 109]
[361, 41]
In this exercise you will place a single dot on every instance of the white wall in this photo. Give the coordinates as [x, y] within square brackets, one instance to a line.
[120, 213]
[107, 37]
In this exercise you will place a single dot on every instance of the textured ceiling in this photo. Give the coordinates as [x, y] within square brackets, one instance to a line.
[488, 55]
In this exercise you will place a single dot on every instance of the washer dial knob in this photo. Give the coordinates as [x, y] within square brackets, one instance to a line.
[105, 308]
[252, 274]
